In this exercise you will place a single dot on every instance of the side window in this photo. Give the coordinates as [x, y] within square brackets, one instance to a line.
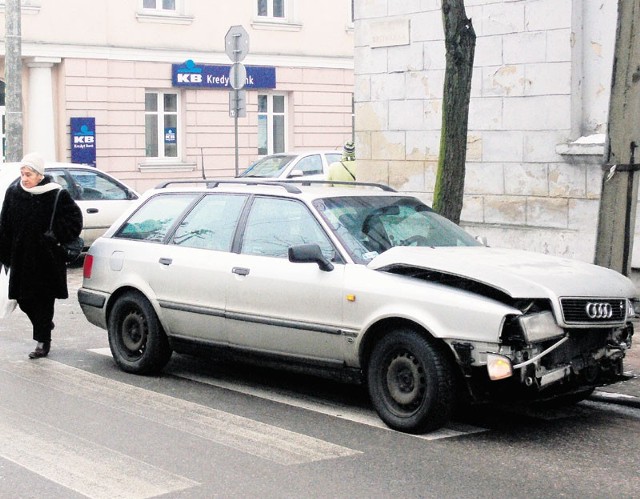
[276, 224]
[309, 165]
[211, 224]
[333, 158]
[94, 186]
[153, 219]
[59, 177]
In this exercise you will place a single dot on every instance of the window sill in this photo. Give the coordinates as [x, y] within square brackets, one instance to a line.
[275, 24]
[166, 166]
[151, 17]
[587, 150]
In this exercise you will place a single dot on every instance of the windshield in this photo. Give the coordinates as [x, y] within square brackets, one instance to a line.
[368, 226]
[268, 167]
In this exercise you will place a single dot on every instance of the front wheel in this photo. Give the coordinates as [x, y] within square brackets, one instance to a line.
[138, 343]
[411, 383]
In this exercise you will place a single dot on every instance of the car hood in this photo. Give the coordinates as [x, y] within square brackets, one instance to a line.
[520, 274]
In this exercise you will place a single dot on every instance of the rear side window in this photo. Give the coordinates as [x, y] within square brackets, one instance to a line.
[152, 220]
[211, 224]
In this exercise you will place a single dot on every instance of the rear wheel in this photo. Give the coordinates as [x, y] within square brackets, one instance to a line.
[138, 343]
[411, 382]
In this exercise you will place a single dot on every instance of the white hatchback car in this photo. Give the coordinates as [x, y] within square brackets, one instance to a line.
[101, 197]
[366, 284]
[309, 165]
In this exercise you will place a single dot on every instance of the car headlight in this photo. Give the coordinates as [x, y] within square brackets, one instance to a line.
[498, 366]
[633, 309]
[540, 326]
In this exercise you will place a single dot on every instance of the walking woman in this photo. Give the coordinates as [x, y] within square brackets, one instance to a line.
[38, 272]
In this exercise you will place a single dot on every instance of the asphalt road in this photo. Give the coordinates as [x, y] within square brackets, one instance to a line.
[73, 425]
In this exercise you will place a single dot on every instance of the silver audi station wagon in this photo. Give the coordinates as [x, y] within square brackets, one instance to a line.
[362, 283]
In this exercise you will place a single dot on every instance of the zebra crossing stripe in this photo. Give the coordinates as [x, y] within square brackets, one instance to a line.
[243, 434]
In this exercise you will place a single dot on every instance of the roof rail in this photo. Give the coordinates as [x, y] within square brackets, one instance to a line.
[215, 182]
[383, 187]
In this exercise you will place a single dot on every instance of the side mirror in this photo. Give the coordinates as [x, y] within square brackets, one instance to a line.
[295, 174]
[309, 253]
[482, 240]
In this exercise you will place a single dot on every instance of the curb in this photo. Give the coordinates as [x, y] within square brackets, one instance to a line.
[616, 398]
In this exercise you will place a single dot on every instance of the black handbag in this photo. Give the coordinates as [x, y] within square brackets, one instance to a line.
[70, 250]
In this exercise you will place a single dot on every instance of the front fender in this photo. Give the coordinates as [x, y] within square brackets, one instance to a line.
[444, 312]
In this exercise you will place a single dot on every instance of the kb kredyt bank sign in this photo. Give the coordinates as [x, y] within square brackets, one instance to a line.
[190, 74]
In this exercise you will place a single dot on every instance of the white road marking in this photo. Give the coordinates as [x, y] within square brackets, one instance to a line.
[80, 465]
[361, 416]
[243, 434]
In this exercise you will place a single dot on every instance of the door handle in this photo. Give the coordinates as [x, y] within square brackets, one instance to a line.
[92, 210]
[240, 270]
[166, 261]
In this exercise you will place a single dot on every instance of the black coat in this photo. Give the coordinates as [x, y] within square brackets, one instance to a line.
[37, 269]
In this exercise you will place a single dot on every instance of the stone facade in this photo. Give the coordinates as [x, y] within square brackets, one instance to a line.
[539, 105]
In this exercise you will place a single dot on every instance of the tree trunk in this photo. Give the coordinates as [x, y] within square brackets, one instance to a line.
[460, 43]
[616, 219]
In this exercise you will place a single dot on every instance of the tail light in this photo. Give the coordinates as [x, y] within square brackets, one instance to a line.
[88, 265]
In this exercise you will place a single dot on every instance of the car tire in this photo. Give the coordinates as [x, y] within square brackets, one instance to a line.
[411, 382]
[137, 340]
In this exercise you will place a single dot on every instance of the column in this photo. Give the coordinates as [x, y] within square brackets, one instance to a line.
[41, 130]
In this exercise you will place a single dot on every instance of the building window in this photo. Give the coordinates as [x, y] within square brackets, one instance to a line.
[161, 124]
[161, 5]
[271, 8]
[271, 124]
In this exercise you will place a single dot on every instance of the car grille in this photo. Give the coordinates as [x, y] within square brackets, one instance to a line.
[592, 310]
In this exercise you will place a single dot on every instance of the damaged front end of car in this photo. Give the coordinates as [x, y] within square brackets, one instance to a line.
[540, 357]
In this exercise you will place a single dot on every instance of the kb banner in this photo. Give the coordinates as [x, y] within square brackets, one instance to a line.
[83, 141]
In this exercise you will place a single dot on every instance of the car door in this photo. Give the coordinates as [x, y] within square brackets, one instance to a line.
[280, 307]
[101, 198]
[189, 268]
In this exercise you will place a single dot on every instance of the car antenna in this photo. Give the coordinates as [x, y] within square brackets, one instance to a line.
[204, 176]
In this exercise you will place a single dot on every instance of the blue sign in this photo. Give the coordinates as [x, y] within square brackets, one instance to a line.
[169, 135]
[195, 75]
[83, 141]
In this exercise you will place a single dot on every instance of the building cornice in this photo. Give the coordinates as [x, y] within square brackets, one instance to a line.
[175, 56]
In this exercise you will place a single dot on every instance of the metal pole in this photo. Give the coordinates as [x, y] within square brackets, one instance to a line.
[13, 79]
[235, 127]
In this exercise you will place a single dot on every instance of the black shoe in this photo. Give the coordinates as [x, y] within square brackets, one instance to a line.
[41, 351]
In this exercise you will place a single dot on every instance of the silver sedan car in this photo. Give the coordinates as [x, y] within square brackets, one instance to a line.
[365, 284]
[309, 165]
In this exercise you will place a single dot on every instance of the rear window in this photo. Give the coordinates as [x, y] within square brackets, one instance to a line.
[152, 221]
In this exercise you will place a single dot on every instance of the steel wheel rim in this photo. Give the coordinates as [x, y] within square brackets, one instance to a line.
[405, 381]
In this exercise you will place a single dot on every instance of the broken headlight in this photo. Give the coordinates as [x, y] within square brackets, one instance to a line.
[539, 327]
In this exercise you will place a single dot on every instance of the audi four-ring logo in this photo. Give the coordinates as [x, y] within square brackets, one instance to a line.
[599, 310]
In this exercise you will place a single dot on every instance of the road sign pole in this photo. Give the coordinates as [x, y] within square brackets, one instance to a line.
[235, 127]
[236, 43]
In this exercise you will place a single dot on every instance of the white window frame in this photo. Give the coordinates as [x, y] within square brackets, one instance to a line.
[158, 8]
[287, 22]
[269, 14]
[270, 115]
[160, 15]
[161, 158]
